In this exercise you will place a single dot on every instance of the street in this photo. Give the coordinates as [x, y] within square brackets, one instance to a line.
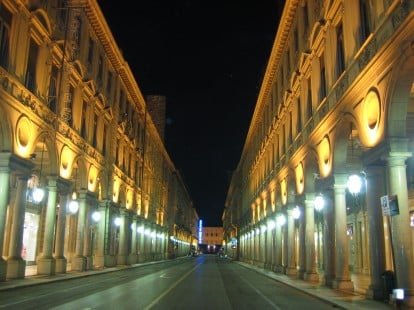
[204, 282]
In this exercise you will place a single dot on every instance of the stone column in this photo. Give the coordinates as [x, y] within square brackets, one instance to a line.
[99, 261]
[79, 261]
[4, 196]
[310, 273]
[132, 257]
[15, 264]
[87, 238]
[122, 250]
[285, 248]
[273, 249]
[291, 257]
[269, 249]
[141, 243]
[46, 263]
[375, 188]
[328, 241]
[302, 245]
[342, 277]
[60, 259]
[401, 234]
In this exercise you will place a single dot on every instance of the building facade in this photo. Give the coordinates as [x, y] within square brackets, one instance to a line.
[336, 101]
[73, 122]
[212, 239]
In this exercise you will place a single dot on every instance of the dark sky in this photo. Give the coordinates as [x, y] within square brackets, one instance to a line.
[208, 58]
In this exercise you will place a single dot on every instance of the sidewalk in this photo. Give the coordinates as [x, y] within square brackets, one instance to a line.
[339, 299]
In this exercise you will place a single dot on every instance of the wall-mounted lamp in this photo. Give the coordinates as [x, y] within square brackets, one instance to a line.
[96, 216]
[319, 202]
[117, 221]
[296, 212]
[280, 220]
[74, 204]
[354, 184]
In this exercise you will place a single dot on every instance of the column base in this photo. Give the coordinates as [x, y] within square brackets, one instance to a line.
[121, 260]
[341, 284]
[311, 277]
[16, 268]
[46, 266]
[408, 302]
[132, 259]
[301, 274]
[61, 264]
[89, 263]
[375, 292]
[291, 272]
[3, 269]
[79, 263]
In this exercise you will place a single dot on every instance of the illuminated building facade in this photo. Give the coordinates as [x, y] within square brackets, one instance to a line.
[212, 239]
[336, 100]
[74, 123]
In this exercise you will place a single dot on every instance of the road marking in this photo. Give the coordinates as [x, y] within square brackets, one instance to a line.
[260, 293]
[170, 288]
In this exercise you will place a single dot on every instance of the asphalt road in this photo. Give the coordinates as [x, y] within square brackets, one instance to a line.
[204, 282]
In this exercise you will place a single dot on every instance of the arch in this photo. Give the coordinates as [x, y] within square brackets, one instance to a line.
[46, 157]
[44, 20]
[6, 136]
[79, 68]
[399, 100]
[80, 172]
[102, 186]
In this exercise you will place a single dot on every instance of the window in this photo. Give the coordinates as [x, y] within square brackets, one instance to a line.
[305, 17]
[5, 22]
[309, 109]
[71, 105]
[299, 117]
[105, 129]
[364, 28]
[84, 119]
[340, 55]
[100, 70]
[30, 81]
[53, 83]
[95, 126]
[322, 86]
[61, 14]
[90, 53]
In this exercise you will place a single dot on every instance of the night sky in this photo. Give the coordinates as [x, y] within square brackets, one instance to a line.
[208, 58]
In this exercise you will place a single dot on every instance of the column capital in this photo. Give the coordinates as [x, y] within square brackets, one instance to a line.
[21, 166]
[64, 186]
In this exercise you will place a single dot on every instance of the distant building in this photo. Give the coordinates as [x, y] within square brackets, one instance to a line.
[212, 239]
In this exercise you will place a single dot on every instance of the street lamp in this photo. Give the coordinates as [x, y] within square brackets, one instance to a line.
[319, 202]
[96, 216]
[354, 184]
[74, 204]
[280, 220]
[296, 212]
